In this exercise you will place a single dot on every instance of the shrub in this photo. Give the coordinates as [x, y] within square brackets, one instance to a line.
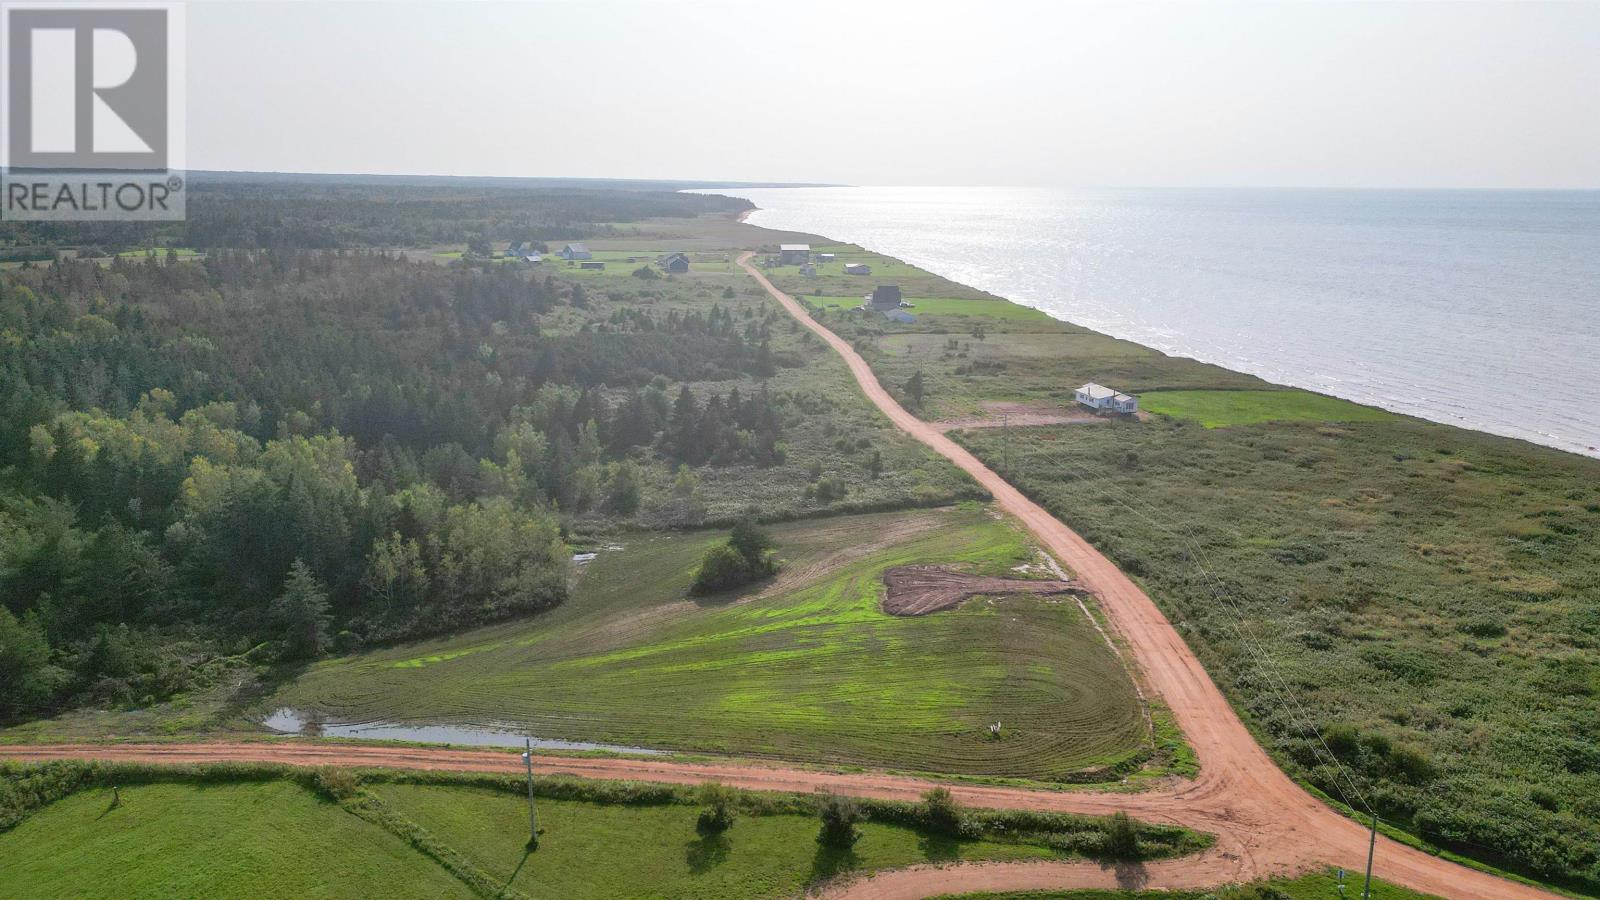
[645, 273]
[1121, 837]
[718, 813]
[745, 558]
[336, 784]
[943, 813]
[839, 817]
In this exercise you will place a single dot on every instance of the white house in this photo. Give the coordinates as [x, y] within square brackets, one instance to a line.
[793, 254]
[1098, 396]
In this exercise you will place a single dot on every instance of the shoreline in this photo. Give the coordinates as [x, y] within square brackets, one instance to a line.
[1264, 372]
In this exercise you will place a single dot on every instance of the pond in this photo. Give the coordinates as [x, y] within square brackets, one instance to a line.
[308, 723]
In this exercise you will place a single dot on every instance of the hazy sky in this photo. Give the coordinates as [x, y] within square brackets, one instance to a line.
[867, 92]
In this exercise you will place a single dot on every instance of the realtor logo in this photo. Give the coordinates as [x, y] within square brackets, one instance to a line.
[93, 112]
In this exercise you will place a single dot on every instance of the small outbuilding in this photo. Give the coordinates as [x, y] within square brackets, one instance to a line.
[825, 257]
[794, 254]
[576, 251]
[591, 265]
[1100, 397]
[885, 296]
[857, 269]
[808, 270]
[676, 263]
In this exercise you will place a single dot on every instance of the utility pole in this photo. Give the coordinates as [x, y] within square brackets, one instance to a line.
[1005, 440]
[533, 818]
[1372, 847]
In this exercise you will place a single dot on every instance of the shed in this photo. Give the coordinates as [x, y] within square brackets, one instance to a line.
[674, 262]
[808, 270]
[576, 251]
[793, 254]
[1098, 396]
[591, 265]
[885, 296]
[826, 257]
[857, 269]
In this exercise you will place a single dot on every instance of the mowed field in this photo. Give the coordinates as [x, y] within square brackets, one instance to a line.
[614, 850]
[805, 668]
[1219, 409]
[267, 840]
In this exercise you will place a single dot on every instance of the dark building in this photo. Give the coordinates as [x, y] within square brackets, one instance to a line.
[885, 296]
[674, 262]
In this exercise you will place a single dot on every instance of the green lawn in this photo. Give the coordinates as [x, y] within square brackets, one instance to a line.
[611, 850]
[807, 668]
[272, 839]
[1219, 409]
[1316, 886]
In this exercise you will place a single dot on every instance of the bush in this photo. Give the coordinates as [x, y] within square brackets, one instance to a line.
[336, 784]
[718, 813]
[839, 817]
[943, 813]
[744, 559]
[646, 273]
[1121, 837]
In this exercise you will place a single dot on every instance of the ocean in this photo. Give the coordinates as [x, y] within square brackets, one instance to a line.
[1474, 308]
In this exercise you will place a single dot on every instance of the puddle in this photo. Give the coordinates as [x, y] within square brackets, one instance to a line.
[286, 720]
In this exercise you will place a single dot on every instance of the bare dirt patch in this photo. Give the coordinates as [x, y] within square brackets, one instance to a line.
[919, 590]
[999, 413]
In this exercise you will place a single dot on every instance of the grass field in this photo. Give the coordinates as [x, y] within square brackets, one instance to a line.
[1219, 409]
[610, 850]
[1315, 886]
[807, 668]
[266, 831]
[273, 839]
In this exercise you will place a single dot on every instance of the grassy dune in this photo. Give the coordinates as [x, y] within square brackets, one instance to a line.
[805, 668]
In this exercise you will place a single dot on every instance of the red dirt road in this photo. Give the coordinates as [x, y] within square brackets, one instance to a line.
[1265, 823]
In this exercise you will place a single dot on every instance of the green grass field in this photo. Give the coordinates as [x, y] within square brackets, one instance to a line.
[807, 668]
[1315, 886]
[611, 850]
[265, 831]
[272, 839]
[1219, 409]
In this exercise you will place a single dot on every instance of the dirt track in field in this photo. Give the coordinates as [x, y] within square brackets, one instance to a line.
[1265, 824]
[919, 590]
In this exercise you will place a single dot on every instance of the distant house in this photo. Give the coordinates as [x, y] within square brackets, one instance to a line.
[576, 251]
[674, 263]
[793, 254]
[514, 249]
[1098, 396]
[529, 256]
[884, 296]
[825, 257]
[857, 269]
[808, 270]
[591, 265]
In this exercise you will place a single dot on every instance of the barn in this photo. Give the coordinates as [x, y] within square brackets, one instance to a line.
[794, 254]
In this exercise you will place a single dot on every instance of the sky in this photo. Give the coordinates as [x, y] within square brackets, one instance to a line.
[1381, 94]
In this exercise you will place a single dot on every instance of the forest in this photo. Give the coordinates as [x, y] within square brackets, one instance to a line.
[272, 454]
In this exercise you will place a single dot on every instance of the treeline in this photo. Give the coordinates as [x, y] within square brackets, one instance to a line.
[287, 213]
[283, 453]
